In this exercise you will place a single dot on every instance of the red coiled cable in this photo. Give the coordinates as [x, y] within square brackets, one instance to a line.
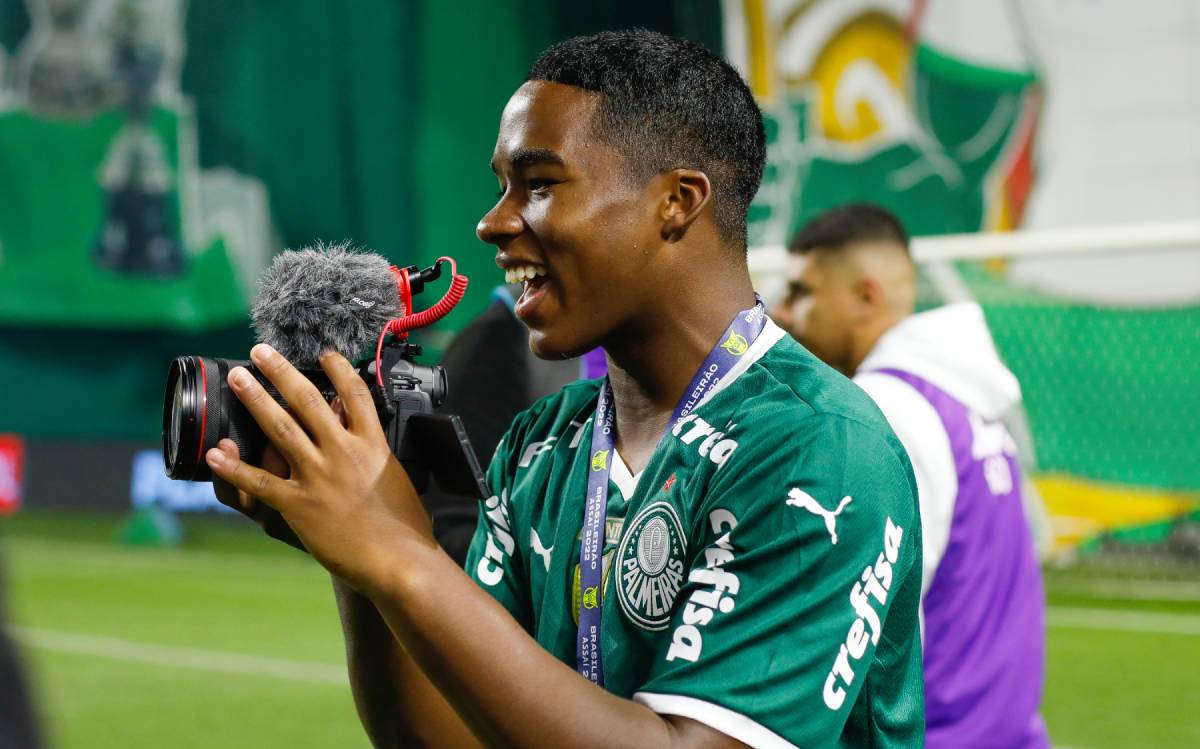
[404, 285]
[400, 326]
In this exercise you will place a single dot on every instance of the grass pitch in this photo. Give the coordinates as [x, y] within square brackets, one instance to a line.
[233, 641]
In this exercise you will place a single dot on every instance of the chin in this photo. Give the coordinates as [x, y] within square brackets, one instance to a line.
[542, 345]
[545, 345]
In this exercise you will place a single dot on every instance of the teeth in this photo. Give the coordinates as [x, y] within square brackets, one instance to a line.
[521, 273]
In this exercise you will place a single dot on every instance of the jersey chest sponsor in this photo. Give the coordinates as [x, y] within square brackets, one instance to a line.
[500, 542]
[711, 443]
[716, 595]
[867, 597]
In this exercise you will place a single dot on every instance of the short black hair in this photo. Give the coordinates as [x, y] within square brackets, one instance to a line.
[849, 224]
[669, 103]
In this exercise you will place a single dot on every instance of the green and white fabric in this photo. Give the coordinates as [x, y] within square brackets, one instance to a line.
[762, 574]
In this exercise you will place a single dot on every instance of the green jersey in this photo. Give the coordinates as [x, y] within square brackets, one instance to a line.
[761, 575]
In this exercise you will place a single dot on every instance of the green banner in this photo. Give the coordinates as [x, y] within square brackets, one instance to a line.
[278, 124]
[69, 257]
[860, 105]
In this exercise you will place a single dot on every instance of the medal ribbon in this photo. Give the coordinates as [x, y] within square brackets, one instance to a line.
[733, 344]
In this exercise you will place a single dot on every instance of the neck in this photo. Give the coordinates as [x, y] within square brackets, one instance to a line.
[651, 367]
[862, 344]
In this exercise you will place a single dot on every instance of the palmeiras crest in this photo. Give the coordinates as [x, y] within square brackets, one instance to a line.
[650, 566]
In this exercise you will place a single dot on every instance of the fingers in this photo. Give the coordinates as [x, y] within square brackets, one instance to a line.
[339, 410]
[253, 483]
[357, 402]
[226, 492]
[270, 520]
[273, 462]
[305, 401]
[280, 428]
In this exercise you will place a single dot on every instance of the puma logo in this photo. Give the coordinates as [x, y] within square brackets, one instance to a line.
[538, 549]
[801, 498]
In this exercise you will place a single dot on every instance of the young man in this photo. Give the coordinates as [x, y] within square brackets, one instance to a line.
[941, 384]
[732, 523]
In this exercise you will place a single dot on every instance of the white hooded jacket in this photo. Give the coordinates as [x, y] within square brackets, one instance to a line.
[951, 348]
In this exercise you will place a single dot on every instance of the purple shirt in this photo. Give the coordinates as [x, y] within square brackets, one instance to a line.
[984, 610]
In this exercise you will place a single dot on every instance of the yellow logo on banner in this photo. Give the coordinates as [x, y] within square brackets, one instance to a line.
[600, 460]
[736, 344]
[860, 79]
[589, 598]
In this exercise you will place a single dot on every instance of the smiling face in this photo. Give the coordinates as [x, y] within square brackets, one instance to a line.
[570, 210]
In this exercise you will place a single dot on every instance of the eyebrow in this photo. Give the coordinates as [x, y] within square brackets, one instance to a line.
[526, 157]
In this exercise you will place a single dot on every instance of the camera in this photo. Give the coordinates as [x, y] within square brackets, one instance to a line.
[200, 409]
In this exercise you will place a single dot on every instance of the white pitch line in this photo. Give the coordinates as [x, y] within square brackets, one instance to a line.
[177, 657]
[1123, 621]
[317, 673]
[1140, 590]
[95, 552]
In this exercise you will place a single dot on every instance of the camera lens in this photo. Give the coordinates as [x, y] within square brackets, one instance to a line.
[198, 411]
[185, 416]
[175, 418]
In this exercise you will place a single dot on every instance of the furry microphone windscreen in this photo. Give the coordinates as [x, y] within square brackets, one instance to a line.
[326, 297]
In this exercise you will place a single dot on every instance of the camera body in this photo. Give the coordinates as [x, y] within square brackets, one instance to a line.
[200, 409]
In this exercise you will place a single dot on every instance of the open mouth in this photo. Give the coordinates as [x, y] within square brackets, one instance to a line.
[523, 273]
[533, 279]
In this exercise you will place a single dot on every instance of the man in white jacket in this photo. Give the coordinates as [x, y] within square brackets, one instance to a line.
[939, 381]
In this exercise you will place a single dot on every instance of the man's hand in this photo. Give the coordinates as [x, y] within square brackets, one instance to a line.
[267, 518]
[339, 488]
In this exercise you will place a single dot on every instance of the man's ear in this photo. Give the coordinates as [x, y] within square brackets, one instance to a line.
[687, 193]
[869, 296]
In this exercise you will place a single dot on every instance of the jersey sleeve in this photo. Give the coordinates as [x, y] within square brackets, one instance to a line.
[919, 428]
[494, 559]
[804, 580]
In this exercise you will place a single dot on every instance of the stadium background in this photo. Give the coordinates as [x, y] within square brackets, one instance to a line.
[282, 123]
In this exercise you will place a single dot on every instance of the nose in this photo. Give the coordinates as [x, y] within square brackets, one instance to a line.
[500, 224]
